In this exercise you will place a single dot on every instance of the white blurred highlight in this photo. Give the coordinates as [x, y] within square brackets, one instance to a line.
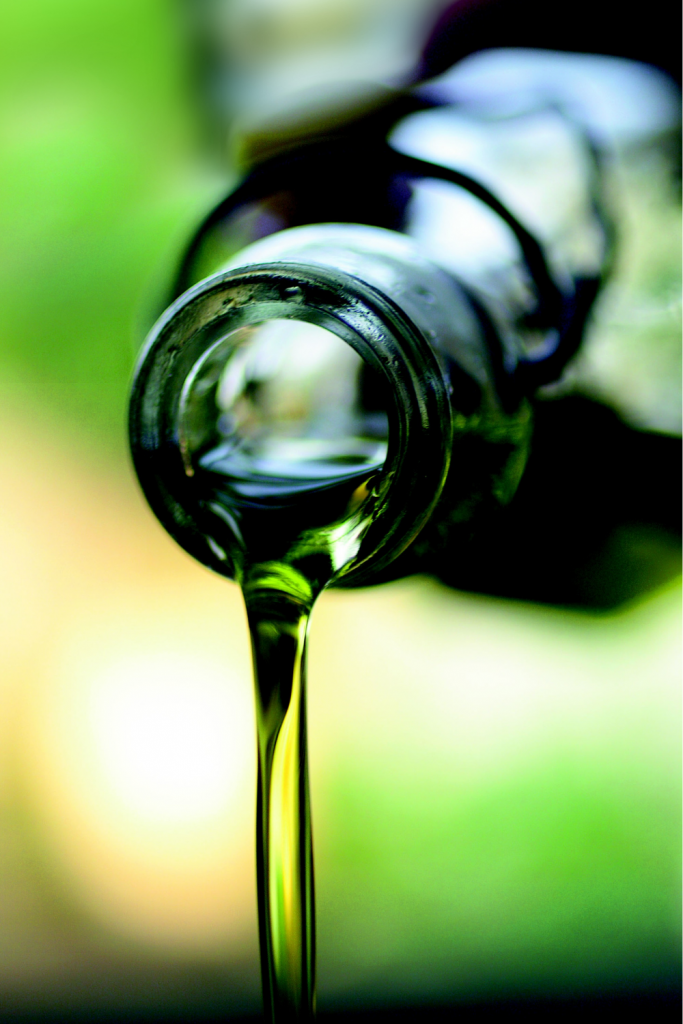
[171, 739]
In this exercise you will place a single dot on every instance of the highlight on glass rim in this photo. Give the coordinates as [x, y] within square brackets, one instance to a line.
[376, 309]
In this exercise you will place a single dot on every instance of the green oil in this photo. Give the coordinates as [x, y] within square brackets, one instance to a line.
[285, 502]
[279, 594]
[279, 604]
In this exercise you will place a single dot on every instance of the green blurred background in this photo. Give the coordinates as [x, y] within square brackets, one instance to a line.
[495, 785]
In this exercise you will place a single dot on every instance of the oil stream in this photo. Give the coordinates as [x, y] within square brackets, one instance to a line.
[278, 608]
[287, 495]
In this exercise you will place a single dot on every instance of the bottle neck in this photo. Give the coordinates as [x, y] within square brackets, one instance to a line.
[174, 409]
[393, 265]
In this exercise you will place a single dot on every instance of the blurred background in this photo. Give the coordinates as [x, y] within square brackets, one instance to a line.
[495, 784]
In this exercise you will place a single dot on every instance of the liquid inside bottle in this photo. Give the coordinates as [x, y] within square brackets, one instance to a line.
[283, 458]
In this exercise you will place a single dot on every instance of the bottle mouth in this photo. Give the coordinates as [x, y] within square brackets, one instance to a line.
[243, 404]
[279, 405]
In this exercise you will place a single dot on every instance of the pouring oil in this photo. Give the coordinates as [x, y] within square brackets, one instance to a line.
[285, 468]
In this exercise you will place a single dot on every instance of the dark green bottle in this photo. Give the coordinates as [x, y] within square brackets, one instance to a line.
[333, 405]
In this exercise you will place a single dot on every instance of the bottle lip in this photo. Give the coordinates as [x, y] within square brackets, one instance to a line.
[420, 425]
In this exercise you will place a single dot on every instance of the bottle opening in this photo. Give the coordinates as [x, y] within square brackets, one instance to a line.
[282, 402]
[283, 431]
[259, 423]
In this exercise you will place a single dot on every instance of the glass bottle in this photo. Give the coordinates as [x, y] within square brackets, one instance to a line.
[332, 352]
[346, 390]
[453, 311]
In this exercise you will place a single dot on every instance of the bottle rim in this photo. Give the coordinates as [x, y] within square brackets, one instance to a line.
[420, 422]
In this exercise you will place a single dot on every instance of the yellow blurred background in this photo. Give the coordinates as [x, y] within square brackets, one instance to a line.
[495, 785]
